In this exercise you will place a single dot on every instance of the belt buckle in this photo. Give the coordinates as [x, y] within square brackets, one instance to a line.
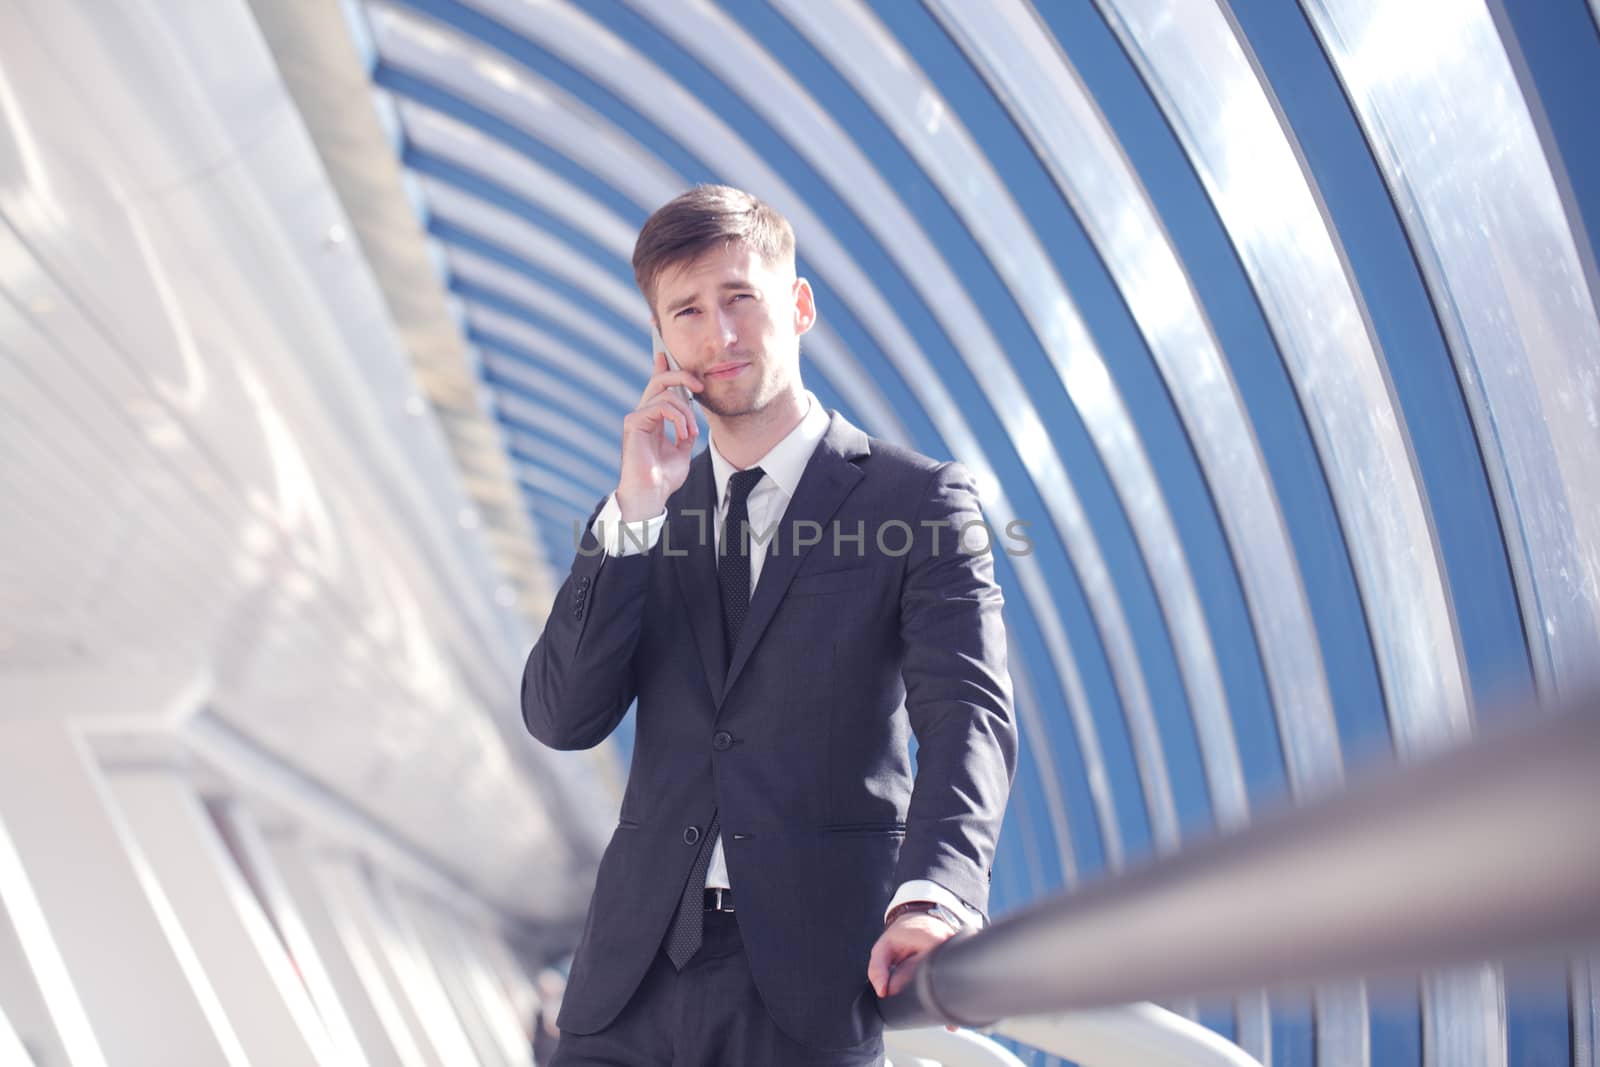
[721, 900]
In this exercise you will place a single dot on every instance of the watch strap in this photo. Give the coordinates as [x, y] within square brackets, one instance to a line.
[918, 907]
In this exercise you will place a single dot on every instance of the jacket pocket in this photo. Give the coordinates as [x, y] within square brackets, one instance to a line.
[837, 581]
[866, 829]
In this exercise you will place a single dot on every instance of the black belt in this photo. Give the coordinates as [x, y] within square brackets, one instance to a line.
[719, 900]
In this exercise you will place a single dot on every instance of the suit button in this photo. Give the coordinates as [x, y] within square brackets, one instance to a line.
[583, 582]
[577, 612]
[722, 740]
[691, 834]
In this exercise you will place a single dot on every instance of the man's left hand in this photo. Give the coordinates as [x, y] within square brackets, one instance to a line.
[905, 941]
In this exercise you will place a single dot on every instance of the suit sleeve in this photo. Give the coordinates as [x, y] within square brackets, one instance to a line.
[580, 678]
[958, 693]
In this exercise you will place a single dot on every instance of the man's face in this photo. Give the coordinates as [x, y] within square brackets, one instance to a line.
[735, 322]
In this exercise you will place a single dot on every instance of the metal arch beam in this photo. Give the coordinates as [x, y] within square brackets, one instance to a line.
[1200, 72]
[824, 348]
[1038, 86]
[481, 272]
[642, 183]
[582, 440]
[537, 453]
[1032, 723]
[574, 224]
[1450, 129]
[526, 401]
[463, 178]
[1451, 132]
[533, 106]
[555, 511]
[888, 78]
[580, 474]
[580, 40]
[519, 238]
[440, 135]
[561, 511]
[552, 484]
[1205, 83]
[528, 344]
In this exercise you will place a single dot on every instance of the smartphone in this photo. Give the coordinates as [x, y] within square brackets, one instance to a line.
[682, 392]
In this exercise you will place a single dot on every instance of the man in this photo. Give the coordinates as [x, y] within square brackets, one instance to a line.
[787, 608]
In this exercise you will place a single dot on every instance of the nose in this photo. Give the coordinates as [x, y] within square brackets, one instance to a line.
[727, 335]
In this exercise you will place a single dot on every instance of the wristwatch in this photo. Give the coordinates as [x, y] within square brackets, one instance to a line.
[927, 907]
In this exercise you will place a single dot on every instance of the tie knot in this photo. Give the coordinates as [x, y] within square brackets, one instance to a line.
[741, 483]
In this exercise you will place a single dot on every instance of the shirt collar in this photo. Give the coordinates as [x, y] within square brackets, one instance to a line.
[786, 461]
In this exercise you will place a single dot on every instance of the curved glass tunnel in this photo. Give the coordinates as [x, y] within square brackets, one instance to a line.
[1274, 322]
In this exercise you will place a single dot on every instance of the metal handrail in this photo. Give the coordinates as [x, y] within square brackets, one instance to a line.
[1481, 852]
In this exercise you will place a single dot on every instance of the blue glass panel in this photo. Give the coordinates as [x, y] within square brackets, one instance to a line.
[1561, 45]
[557, 72]
[451, 234]
[1394, 1021]
[1219, 1016]
[552, 368]
[498, 195]
[1293, 1038]
[1151, 408]
[1420, 367]
[408, 85]
[1538, 1027]
[1225, 293]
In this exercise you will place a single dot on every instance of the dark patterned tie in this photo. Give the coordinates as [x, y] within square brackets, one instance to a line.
[733, 575]
[733, 557]
[683, 940]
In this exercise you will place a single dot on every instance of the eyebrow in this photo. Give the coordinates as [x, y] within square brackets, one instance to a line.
[738, 283]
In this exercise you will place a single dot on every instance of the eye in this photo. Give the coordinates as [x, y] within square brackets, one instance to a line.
[686, 311]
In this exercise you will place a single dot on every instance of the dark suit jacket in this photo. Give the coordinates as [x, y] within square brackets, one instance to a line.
[801, 741]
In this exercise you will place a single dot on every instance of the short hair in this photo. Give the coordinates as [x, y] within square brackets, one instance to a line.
[707, 217]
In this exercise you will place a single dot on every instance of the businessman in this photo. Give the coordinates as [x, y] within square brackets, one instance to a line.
[788, 608]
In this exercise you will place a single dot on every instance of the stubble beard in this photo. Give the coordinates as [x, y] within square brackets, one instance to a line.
[761, 393]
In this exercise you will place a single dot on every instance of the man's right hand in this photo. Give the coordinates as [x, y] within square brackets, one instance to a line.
[654, 466]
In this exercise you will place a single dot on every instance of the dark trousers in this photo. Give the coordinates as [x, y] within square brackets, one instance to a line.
[709, 1015]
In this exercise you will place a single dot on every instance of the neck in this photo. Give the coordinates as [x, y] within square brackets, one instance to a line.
[744, 439]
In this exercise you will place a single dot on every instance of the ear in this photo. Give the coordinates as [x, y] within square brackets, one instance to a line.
[805, 306]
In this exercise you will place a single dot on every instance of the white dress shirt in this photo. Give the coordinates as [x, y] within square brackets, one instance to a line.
[782, 468]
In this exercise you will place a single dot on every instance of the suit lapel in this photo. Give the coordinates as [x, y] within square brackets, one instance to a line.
[830, 476]
[692, 545]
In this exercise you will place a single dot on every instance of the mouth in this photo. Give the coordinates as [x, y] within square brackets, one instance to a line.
[721, 371]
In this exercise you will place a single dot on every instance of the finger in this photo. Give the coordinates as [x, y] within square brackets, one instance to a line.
[681, 415]
[659, 363]
[648, 418]
[650, 422]
[878, 967]
[666, 379]
[903, 973]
